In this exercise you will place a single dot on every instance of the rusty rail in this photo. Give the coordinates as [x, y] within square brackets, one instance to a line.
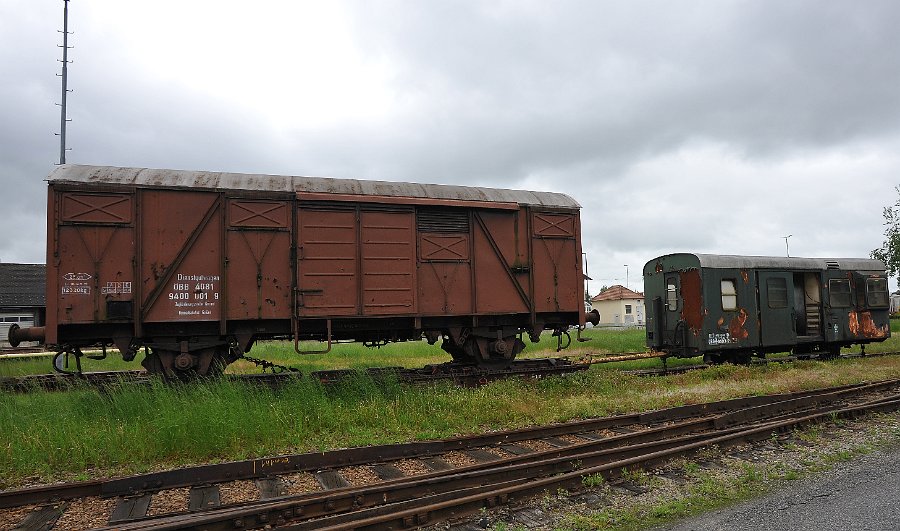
[743, 409]
[427, 499]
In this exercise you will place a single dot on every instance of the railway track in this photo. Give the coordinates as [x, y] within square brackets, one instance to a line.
[458, 373]
[421, 483]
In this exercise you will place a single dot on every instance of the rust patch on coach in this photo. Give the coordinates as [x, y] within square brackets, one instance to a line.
[692, 311]
[745, 276]
[861, 324]
[736, 327]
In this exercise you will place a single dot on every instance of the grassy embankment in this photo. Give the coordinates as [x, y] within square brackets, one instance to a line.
[85, 432]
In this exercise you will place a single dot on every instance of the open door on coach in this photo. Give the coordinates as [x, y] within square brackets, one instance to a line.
[671, 312]
[808, 305]
[778, 317]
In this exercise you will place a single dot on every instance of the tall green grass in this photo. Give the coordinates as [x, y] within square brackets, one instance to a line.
[132, 428]
[87, 432]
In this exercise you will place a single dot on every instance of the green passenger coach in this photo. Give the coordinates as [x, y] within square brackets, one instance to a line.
[729, 308]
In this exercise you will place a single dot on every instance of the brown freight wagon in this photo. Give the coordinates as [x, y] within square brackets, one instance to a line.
[196, 266]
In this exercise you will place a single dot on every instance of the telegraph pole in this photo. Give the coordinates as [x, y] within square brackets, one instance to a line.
[65, 78]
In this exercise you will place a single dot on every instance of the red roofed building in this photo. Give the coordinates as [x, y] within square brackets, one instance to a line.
[620, 306]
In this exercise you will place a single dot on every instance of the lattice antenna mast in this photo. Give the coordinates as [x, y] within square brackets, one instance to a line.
[65, 79]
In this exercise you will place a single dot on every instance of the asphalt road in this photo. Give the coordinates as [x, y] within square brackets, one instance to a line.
[863, 494]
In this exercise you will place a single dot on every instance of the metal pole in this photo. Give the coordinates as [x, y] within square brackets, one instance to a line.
[626, 277]
[65, 73]
[587, 288]
[787, 250]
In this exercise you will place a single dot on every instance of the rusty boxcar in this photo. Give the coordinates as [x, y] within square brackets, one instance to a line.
[196, 266]
[728, 308]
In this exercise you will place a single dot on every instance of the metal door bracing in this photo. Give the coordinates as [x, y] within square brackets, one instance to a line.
[93, 249]
[557, 266]
[259, 263]
[498, 287]
[182, 256]
[445, 276]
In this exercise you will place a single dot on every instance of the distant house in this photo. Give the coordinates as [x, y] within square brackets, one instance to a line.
[22, 297]
[620, 306]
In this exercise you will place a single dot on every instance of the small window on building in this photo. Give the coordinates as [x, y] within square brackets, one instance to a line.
[671, 295]
[776, 289]
[877, 292]
[729, 295]
[839, 293]
[627, 309]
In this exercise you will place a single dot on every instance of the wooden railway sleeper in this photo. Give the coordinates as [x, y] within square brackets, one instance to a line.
[416, 520]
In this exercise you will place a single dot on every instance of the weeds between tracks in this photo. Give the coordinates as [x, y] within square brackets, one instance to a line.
[130, 429]
[90, 433]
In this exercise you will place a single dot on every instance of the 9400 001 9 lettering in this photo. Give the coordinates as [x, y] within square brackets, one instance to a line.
[195, 295]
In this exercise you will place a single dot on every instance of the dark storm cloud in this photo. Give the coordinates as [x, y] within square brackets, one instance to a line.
[564, 83]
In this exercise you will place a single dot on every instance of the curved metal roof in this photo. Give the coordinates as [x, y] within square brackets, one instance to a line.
[721, 261]
[281, 183]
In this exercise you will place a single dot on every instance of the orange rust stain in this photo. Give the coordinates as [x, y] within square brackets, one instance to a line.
[691, 311]
[745, 276]
[736, 327]
[721, 321]
[861, 323]
[659, 267]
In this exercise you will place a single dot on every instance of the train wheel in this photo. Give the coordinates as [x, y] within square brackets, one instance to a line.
[830, 353]
[152, 363]
[497, 354]
[713, 358]
[740, 358]
[172, 365]
[459, 354]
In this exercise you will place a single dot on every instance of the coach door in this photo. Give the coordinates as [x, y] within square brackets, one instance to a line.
[671, 308]
[776, 308]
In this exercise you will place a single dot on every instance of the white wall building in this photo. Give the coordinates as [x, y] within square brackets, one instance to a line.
[619, 306]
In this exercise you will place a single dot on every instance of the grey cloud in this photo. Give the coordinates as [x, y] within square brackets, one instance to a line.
[573, 96]
[582, 80]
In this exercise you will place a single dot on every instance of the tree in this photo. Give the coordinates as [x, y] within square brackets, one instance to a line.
[889, 253]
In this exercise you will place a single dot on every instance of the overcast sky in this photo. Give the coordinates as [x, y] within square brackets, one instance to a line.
[710, 126]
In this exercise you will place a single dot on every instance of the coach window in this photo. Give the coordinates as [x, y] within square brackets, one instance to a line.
[839, 293]
[729, 295]
[776, 289]
[877, 292]
[671, 295]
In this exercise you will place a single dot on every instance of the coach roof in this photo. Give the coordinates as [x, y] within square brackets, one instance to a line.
[720, 261]
[75, 173]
